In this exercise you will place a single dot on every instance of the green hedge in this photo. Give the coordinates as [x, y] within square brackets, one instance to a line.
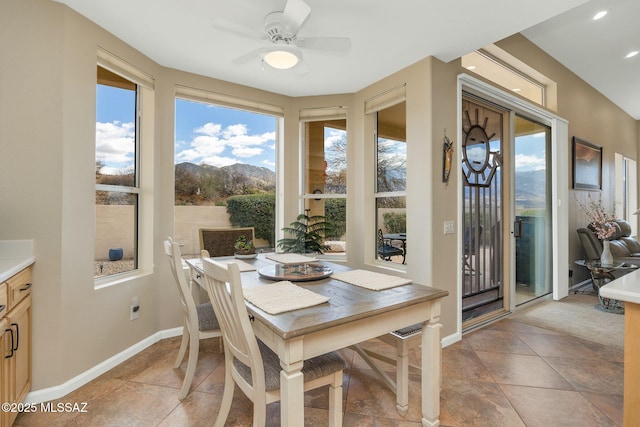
[258, 211]
[395, 222]
[254, 210]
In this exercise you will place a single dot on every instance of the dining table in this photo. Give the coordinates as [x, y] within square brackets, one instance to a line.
[351, 315]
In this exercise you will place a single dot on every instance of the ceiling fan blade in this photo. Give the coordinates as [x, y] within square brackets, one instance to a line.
[249, 56]
[294, 15]
[328, 44]
[232, 27]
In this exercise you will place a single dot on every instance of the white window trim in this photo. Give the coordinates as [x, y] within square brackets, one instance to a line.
[144, 159]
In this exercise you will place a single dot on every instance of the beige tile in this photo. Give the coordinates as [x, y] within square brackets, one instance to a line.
[571, 347]
[593, 375]
[497, 341]
[475, 404]
[520, 369]
[545, 407]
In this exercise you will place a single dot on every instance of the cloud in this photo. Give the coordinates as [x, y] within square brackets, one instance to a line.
[247, 152]
[115, 145]
[530, 162]
[218, 146]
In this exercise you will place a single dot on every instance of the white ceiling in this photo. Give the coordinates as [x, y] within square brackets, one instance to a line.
[385, 37]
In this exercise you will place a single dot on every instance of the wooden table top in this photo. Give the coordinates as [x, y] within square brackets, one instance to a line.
[347, 302]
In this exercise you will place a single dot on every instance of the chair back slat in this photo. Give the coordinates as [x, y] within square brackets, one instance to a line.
[174, 253]
[224, 287]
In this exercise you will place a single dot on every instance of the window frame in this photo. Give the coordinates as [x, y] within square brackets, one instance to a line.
[142, 188]
[320, 115]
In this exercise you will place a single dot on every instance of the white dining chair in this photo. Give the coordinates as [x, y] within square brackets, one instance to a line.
[251, 364]
[199, 321]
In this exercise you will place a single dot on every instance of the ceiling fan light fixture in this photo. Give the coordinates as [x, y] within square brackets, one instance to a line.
[282, 57]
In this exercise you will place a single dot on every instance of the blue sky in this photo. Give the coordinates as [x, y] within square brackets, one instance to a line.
[221, 136]
[204, 133]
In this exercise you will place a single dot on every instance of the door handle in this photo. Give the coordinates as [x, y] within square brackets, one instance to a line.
[517, 229]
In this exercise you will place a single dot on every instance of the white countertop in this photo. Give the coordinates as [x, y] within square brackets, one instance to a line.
[15, 255]
[625, 288]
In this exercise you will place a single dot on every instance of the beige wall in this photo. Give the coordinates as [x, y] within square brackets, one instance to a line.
[47, 176]
[591, 117]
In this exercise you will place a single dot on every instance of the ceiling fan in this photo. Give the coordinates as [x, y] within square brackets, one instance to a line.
[284, 48]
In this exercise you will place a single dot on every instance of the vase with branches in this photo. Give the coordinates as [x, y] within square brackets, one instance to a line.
[307, 234]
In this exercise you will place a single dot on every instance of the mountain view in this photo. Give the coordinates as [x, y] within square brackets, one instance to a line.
[210, 185]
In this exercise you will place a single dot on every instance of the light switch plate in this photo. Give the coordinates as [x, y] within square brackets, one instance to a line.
[449, 227]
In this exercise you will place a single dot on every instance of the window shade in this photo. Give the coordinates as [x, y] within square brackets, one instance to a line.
[386, 99]
[122, 68]
[223, 100]
[329, 113]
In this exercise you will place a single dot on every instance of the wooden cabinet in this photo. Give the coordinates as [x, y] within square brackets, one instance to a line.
[15, 342]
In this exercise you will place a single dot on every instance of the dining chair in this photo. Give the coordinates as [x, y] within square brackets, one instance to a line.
[199, 321]
[221, 241]
[251, 364]
[402, 341]
[385, 250]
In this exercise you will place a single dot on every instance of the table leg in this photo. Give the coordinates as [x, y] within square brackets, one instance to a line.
[291, 386]
[431, 364]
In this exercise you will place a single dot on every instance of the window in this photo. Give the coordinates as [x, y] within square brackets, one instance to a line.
[626, 201]
[391, 178]
[325, 173]
[225, 168]
[117, 174]
[498, 66]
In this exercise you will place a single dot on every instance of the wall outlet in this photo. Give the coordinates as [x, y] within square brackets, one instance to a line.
[449, 227]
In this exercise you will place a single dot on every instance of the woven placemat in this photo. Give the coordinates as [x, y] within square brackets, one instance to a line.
[290, 258]
[370, 279]
[242, 266]
[281, 297]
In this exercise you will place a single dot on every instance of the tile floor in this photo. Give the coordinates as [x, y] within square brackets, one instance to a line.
[505, 374]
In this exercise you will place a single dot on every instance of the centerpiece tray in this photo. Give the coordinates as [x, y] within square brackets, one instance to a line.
[296, 272]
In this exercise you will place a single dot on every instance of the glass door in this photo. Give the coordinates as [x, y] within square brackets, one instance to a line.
[532, 209]
[483, 249]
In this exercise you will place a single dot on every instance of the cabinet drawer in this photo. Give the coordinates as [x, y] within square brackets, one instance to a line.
[3, 300]
[19, 287]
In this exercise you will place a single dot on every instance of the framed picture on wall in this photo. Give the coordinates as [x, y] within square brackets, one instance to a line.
[587, 165]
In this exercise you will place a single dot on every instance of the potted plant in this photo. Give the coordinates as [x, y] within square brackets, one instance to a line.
[308, 234]
[243, 246]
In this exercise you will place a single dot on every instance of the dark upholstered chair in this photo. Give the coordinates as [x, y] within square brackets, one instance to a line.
[220, 241]
[251, 364]
[623, 247]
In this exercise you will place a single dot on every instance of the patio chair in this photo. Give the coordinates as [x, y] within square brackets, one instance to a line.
[199, 321]
[221, 241]
[385, 249]
[250, 363]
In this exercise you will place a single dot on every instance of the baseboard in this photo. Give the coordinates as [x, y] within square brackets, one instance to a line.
[451, 339]
[59, 391]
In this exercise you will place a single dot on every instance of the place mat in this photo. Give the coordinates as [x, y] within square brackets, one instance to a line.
[290, 258]
[281, 297]
[370, 279]
[242, 266]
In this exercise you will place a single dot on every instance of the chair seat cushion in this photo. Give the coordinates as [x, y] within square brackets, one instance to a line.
[316, 367]
[206, 317]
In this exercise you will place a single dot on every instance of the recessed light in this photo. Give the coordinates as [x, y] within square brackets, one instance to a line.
[631, 54]
[471, 67]
[600, 15]
[517, 89]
